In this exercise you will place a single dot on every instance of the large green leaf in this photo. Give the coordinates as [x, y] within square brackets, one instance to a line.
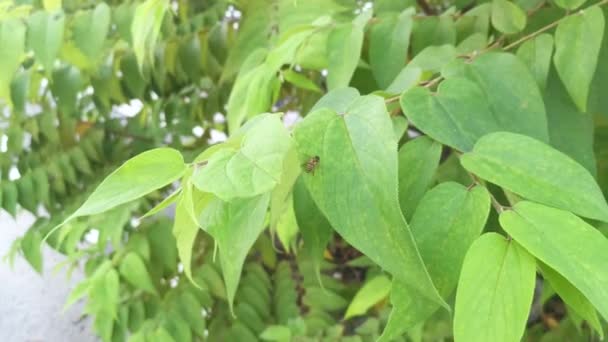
[578, 39]
[507, 17]
[138, 176]
[344, 49]
[536, 171]
[511, 91]
[355, 185]
[564, 242]
[12, 45]
[456, 115]
[90, 30]
[45, 36]
[572, 297]
[389, 42]
[494, 291]
[235, 226]
[133, 269]
[252, 168]
[315, 229]
[536, 55]
[447, 221]
[418, 161]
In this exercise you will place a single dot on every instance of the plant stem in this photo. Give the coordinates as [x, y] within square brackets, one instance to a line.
[550, 26]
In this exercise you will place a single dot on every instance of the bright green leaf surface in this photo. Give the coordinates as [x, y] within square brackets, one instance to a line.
[235, 226]
[12, 41]
[91, 29]
[494, 291]
[45, 36]
[510, 90]
[355, 185]
[565, 243]
[255, 167]
[507, 17]
[578, 39]
[140, 175]
[371, 293]
[536, 171]
[145, 27]
[447, 221]
[457, 115]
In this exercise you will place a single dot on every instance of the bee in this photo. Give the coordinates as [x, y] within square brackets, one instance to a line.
[311, 164]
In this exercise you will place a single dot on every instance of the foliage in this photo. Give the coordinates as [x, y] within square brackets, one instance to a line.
[319, 170]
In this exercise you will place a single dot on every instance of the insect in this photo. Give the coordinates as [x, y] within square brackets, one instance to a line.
[311, 164]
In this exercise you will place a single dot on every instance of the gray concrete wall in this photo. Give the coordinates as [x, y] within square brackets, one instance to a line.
[31, 305]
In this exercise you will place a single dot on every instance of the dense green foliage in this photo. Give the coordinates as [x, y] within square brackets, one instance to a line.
[314, 170]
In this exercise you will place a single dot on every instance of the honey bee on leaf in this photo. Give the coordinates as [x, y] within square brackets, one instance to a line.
[311, 164]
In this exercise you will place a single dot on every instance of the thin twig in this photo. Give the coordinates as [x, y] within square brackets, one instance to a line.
[550, 26]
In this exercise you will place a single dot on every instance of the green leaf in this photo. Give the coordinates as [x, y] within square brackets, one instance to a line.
[133, 269]
[572, 297]
[578, 39]
[145, 27]
[564, 242]
[138, 176]
[27, 193]
[511, 92]
[186, 224]
[432, 31]
[30, 245]
[315, 229]
[358, 159]
[67, 83]
[235, 226]
[91, 29]
[45, 36]
[251, 168]
[536, 55]
[569, 4]
[344, 49]
[447, 221]
[389, 42]
[456, 115]
[279, 333]
[301, 81]
[9, 197]
[570, 130]
[507, 17]
[41, 185]
[418, 161]
[12, 45]
[368, 295]
[167, 201]
[135, 178]
[252, 94]
[497, 285]
[538, 172]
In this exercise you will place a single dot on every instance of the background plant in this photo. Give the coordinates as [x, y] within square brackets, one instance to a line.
[319, 170]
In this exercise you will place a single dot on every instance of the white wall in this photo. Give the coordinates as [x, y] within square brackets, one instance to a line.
[31, 305]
